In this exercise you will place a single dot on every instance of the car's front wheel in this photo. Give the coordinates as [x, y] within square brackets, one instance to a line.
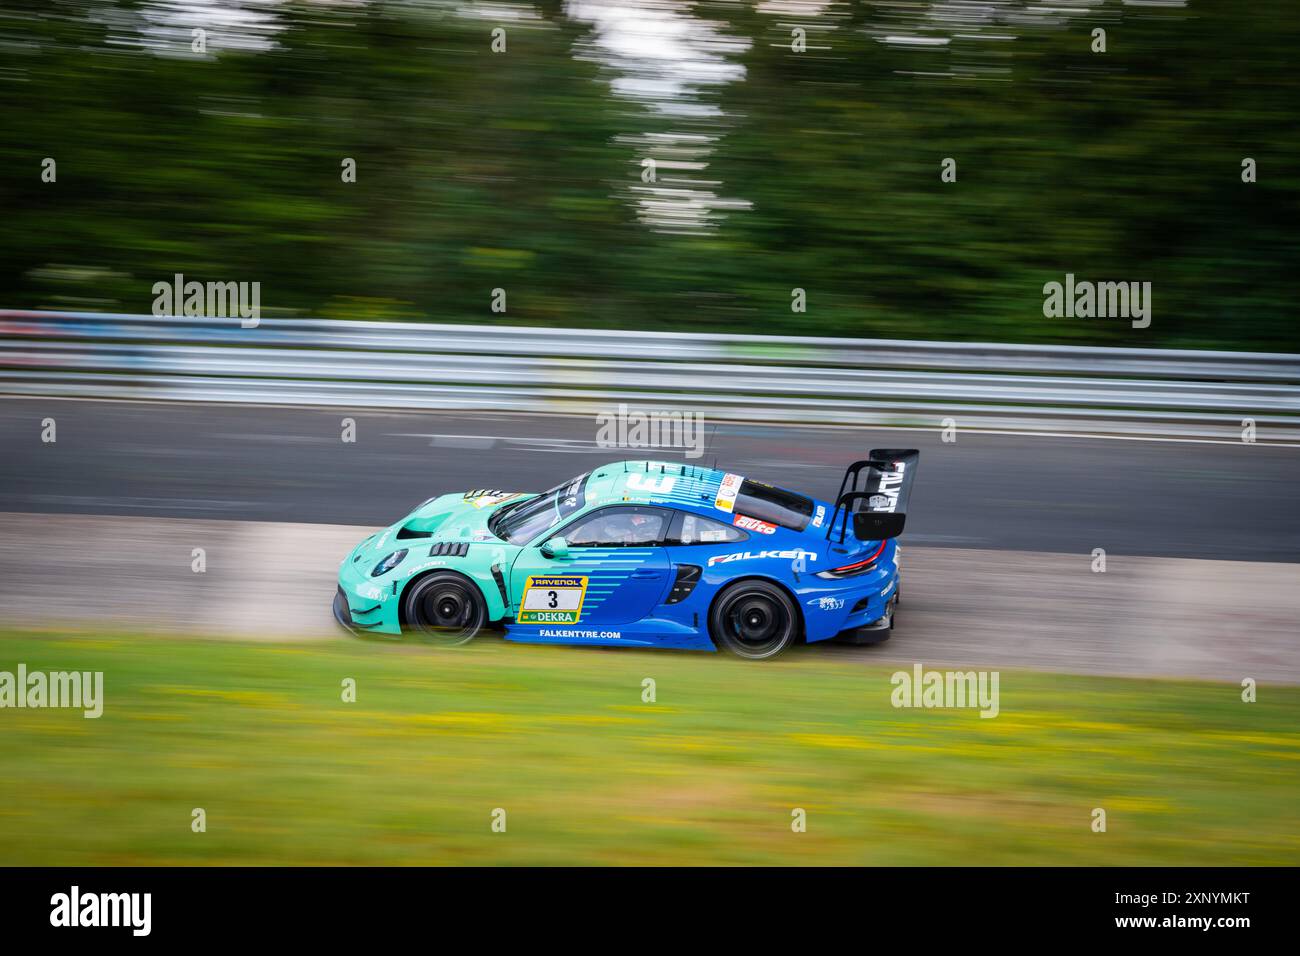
[754, 619]
[445, 609]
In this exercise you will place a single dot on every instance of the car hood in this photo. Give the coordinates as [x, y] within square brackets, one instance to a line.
[454, 517]
[457, 517]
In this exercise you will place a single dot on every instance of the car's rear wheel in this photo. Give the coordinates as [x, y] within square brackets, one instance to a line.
[891, 611]
[445, 609]
[754, 620]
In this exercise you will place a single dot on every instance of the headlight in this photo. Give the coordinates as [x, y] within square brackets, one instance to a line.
[390, 562]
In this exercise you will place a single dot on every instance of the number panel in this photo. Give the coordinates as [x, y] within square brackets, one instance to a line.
[552, 599]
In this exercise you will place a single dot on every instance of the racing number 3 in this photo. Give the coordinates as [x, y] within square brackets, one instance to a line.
[553, 599]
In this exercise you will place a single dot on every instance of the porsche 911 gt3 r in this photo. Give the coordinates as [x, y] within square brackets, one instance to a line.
[642, 554]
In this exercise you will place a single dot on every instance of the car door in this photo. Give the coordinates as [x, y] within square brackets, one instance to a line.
[616, 570]
[692, 540]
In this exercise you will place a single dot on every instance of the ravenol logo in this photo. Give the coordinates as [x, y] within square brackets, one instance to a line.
[553, 599]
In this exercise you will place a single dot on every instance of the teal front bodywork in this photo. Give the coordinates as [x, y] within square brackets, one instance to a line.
[455, 519]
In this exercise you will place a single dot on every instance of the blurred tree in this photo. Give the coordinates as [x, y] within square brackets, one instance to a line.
[478, 170]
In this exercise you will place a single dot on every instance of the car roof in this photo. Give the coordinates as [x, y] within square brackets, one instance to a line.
[654, 482]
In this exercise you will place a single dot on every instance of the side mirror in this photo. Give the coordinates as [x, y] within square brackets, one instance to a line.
[556, 547]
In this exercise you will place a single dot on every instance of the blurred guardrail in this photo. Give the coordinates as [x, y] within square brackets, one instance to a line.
[738, 377]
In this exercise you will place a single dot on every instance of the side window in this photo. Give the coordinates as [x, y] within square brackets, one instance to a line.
[774, 505]
[697, 529]
[619, 527]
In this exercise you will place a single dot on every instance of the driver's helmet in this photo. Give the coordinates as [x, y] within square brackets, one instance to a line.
[614, 529]
[643, 528]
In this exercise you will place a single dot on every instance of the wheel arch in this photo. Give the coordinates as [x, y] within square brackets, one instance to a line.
[491, 599]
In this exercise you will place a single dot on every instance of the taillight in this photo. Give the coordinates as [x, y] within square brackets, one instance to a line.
[856, 568]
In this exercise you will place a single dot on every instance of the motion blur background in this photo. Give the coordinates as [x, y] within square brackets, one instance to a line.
[1122, 686]
[775, 169]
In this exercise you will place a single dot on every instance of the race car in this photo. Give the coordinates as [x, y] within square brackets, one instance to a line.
[642, 554]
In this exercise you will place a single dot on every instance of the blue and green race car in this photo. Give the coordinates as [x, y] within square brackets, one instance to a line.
[642, 554]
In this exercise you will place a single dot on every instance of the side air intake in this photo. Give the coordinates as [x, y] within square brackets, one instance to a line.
[449, 548]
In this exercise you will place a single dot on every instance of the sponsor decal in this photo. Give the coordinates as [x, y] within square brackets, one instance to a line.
[753, 524]
[819, 517]
[552, 599]
[792, 554]
[727, 492]
[486, 498]
[658, 485]
[575, 632]
[891, 482]
[830, 604]
[570, 498]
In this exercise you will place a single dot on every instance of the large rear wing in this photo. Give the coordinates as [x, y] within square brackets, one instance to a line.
[874, 494]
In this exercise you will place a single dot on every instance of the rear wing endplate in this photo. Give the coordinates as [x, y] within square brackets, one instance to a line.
[874, 494]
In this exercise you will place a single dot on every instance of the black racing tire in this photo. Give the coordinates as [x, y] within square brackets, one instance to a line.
[445, 609]
[754, 619]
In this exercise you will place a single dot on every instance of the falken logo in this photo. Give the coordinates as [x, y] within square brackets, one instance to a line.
[891, 483]
[793, 554]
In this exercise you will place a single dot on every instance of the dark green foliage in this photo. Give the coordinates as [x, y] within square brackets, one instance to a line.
[479, 170]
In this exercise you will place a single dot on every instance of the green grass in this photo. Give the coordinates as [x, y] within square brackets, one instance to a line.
[259, 737]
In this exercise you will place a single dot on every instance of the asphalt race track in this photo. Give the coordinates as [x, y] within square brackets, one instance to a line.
[1202, 539]
[999, 492]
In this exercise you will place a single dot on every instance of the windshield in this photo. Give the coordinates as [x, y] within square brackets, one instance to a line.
[521, 523]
